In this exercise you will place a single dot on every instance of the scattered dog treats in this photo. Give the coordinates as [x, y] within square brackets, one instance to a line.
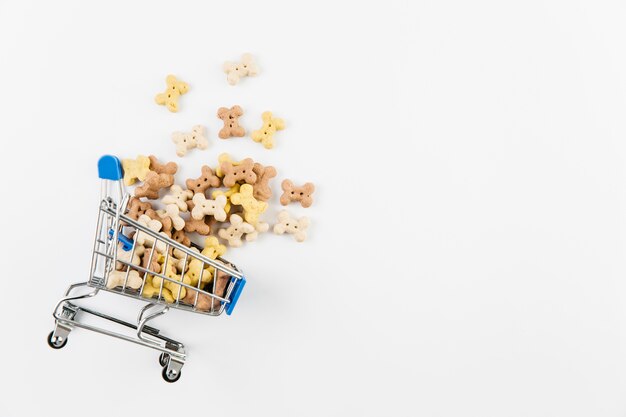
[262, 190]
[261, 227]
[124, 256]
[252, 208]
[186, 141]
[241, 172]
[136, 208]
[117, 278]
[152, 185]
[234, 189]
[169, 168]
[177, 291]
[206, 180]
[223, 157]
[135, 169]
[165, 220]
[235, 231]
[181, 237]
[212, 248]
[150, 290]
[178, 196]
[235, 71]
[169, 97]
[265, 135]
[145, 239]
[230, 117]
[204, 207]
[172, 211]
[161, 176]
[299, 194]
[292, 226]
[199, 226]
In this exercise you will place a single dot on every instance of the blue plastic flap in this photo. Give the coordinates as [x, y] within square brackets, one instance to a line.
[234, 295]
[127, 243]
[110, 168]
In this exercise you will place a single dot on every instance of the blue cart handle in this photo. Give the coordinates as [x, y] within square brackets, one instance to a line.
[110, 168]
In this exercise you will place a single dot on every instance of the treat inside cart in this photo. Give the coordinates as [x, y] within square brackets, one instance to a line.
[171, 275]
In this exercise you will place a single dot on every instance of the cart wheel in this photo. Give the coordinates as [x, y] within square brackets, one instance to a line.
[164, 358]
[56, 344]
[169, 377]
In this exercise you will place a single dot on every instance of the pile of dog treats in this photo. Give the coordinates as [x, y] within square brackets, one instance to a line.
[225, 203]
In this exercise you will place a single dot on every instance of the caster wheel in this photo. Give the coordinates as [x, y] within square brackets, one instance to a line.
[56, 343]
[170, 378]
[164, 358]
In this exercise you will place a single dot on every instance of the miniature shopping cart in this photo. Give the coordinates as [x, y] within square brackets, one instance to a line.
[117, 233]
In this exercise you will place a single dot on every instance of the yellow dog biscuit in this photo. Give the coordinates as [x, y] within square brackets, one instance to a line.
[265, 134]
[252, 208]
[232, 190]
[135, 169]
[169, 98]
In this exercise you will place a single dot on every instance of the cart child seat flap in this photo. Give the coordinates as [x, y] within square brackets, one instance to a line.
[110, 168]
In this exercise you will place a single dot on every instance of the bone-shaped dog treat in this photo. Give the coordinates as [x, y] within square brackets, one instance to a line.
[299, 194]
[170, 272]
[262, 190]
[203, 207]
[177, 196]
[236, 70]
[172, 211]
[242, 172]
[161, 176]
[206, 180]
[152, 185]
[230, 117]
[169, 168]
[155, 264]
[150, 291]
[196, 225]
[166, 221]
[195, 273]
[234, 189]
[169, 97]
[117, 278]
[124, 256]
[145, 239]
[224, 157]
[212, 248]
[181, 237]
[180, 260]
[135, 169]
[293, 226]
[136, 208]
[265, 135]
[252, 208]
[235, 231]
[186, 141]
[261, 227]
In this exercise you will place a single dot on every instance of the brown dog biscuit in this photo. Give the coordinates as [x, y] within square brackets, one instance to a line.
[230, 117]
[206, 180]
[262, 190]
[204, 301]
[194, 225]
[242, 172]
[165, 221]
[301, 194]
[169, 168]
[153, 184]
[136, 208]
[154, 266]
[181, 237]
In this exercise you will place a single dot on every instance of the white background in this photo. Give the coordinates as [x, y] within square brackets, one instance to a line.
[466, 252]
